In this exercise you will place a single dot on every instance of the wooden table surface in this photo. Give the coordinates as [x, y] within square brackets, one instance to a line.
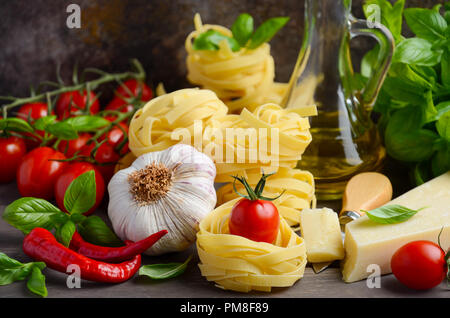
[191, 284]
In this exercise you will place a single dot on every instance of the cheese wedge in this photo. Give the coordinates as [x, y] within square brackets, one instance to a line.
[322, 234]
[368, 242]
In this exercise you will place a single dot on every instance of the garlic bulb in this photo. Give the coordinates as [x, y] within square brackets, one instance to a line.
[171, 189]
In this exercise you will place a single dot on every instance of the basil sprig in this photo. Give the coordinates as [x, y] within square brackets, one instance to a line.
[15, 124]
[68, 129]
[164, 271]
[414, 101]
[28, 213]
[243, 35]
[95, 231]
[390, 214]
[81, 193]
[12, 270]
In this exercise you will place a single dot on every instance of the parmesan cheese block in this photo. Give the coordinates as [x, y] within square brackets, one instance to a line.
[368, 242]
[322, 234]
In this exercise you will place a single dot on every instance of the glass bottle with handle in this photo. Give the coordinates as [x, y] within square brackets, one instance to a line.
[345, 140]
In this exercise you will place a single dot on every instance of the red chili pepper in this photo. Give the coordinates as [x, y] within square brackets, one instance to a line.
[41, 245]
[113, 254]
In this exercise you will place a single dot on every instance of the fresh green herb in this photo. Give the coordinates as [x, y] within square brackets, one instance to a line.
[389, 214]
[242, 34]
[414, 101]
[65, 232]
[43, 122]
[164, 271]
[416, 51]
[211, 39]
[426, 24]
[95, 231]
[85, 123]
[36, 283]
[15, 124]
[62, 130]
[266, 31]
[81, 193]
[12, 270]
[242, 29]
[26, 214]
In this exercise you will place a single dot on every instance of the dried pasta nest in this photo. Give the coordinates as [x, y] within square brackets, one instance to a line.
[241, 79]
[237, 263]
[198, 117]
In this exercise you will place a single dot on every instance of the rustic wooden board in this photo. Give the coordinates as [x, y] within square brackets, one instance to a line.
[191, 284]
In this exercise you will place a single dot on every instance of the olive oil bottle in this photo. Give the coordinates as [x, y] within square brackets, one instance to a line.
[344, 139]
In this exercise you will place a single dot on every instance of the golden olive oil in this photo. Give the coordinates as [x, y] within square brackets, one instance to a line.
[338, 151]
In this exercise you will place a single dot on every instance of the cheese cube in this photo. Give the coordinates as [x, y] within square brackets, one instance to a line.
[322, 234]
[368, 242]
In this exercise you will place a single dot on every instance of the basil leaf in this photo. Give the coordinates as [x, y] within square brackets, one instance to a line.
[210, 40]
[421, 173]
[266, 31]
[164, 271]
[416, 51]
[85, 123]
[418, 76]
[412, 146]
[77, 218]
[15, 124]
[404, 90]
[429, 110]
[65, 232]
[425, 23]
[12, 270]
[391, 214]
[43, 122]
[440, 163]
[36, 282]
[442, 108]
[62, 130]
[447, 18]
[391, 15]
[95, 231]
[81, 194]
[443, 125]
[7, 262]
[445, 68]
[242, 28]
[27, 213]
[369, 60]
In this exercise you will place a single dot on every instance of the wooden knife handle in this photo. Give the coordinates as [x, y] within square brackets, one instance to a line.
[366, 191]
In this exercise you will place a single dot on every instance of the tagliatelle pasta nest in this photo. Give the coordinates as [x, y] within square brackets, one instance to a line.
[237, 263]
[241, 79]
[156, 126]
[298, 187]
[269, 137]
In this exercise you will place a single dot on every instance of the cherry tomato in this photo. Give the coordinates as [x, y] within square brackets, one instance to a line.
[105, 155]
[70, 173]
[135, 87]
[115, 136]
[33, 111]
[120, 105]
[419, 265]
[70, 102]
[37, 173]
[70, 147]
[257, 220]
[12, 149]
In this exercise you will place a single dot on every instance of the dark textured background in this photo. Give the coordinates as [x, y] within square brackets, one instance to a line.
[34, 37]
